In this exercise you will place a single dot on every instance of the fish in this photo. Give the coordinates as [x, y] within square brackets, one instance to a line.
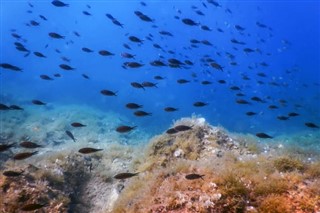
[15, 107]
[4, 107]
[39, 54]
[10, 67]
[255, 98]
[149, 84]
[37, 102]
[108, 93]
[34, 23]
[70, 135]
[242, 101]
[85, 76]
[125, 175]
[182, 81]
[29, 145]
[77, 124]
[199, 104]
[251, 113]
[135, 39]
[189, 22]
[110, 16]
[311, 125]
[43, 17]
[283, 118]
[133, 106]
[132, 64]
[216, 66]
[293, 114]
[137, 85]
[194, 176]
[157, 63]
[56, 35]
[158, 77]
[235, 88]
[273, 107]
[142, 113]
[125, 129]
[87, 50]
[88, 150]
[24, 155]
[10, 173]
[45, 77]
[57, 75]
[171, 131]
[116, 22]
[263, 135]
[170, 109]
[32, 207]
[58, 3]
[222, 81]
[127, 55]
[4, 147]
[66, 67]
[105, 53]
[206, 82]
[86, 13]
[181, 128]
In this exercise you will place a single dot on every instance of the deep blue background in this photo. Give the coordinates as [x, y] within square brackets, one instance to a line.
[294, 21]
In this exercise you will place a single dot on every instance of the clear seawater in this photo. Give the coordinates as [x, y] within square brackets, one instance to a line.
[289, 45]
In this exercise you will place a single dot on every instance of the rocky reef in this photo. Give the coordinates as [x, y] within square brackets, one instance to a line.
[201, 169]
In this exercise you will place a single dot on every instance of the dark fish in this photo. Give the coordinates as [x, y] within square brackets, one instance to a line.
[234, 88]
[87, 50]
[70, 135]
[85, 76]
[43, 17]
[32, 207]
[250, 113]
[222, 81]
[273, 107]
[311, 125]
[238, 27]
[39, 54]
[37, 102]
[216, 66]
[125, 175]
[171, 131]
[58, 3]
[15, 107]
[261, 74]
[157, 63]
[10, 67]
[10, 173]
[193, 176]
[45, 77]
[110, 16]
[188, 62]
[4, 107]
[142, 113]
[116, 22]
[182, 81]
[124, 129]
[133, 106]
[29, 145]
[165, 33]
[132, 64]
[4, 147]
[135, 39]
[66, 67]
[137, 85]
[242, 101]
[76, 33]
[189, 22]
[206, 82]
[158, 77]
[199, 12]
[263, 135]
[199, 104]
[255, 98]
[181, 128]
[57, 75]
[170, 109]
[127, 46]
[24, 155]
[56, 35]
[108, 93]
[206, 42]
[86, 13]
[88, 150]
[127, 55]
[105, 53]
[248, 50]
[77, 124]
[214, 3]
[283, 118]
[149, 84]
[34, 23]
[175, 61]
[293, 114]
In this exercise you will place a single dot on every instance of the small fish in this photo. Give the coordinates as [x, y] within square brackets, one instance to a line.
[43, 17]
[135, 39]
[88, 150]
[37, 102]
[137, 85]
[158, 77]
[206, 82]
[273, 107]
[263, 135]
[24, 155]
[85, 49]
[4, 147]
[58, 3]
[194, 176]
[4, 107]
[189, 22]
[149, 84]
[157, 63]
[116, 22]
[70, 135]
[181, 128]
[39, 54]
[242, 101]
[105, 53]
[311, 125]
[199, 104]
[86, 13]
[250, 113]
[66, 67]
[142, 113]
[171, 131]
[283, 118]
[15, 107]
[29, 145]
[133, 106]
[125, 129]
[77, 124]
[125, 175]
[108, 93]
[10, 173]
[182, 81]
[56, 35]
[127, 55]
[216, 66]
[170, 109]
[45, 77]
[293, 114]
[32, 207]
[132, 64]
[10, 67]
[85, 76]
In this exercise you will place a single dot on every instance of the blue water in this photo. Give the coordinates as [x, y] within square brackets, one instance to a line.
[289, 45]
